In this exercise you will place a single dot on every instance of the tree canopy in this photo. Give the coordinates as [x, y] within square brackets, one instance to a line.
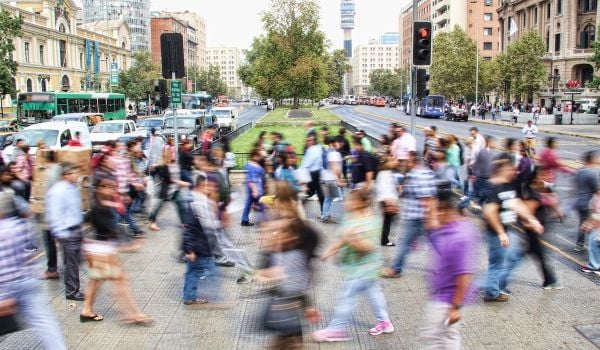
[10, 28]
[595, 59]
[137, 81]
[385, 82]
[208, 80]
[523, 65]
[290, 60]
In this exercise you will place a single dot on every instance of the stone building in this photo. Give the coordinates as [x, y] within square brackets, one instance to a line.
[228, 61]
[568, 28]
[367, 58]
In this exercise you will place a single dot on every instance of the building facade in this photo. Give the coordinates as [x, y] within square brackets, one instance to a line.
[53, 54]
[406, 31]
[367, 58]
[228, 61]
[199, 27]
[135, 12]
[568, 28]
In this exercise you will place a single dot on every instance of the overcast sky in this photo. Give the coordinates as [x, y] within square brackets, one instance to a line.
[236, 22]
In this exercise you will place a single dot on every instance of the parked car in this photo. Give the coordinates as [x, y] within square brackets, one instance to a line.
[111, 131]
[188, 127]
[393, 104]
[457, 114]
[55, 135]
[8, 124]
[6, 138]
[91, 119]
[157, 123]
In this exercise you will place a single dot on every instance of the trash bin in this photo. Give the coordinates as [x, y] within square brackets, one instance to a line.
[558, 119]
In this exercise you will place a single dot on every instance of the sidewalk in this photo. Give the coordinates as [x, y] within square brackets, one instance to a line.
[532, 319]
[587, 131]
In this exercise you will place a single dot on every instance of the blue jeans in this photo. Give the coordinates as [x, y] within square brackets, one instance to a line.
[128, 217]
[34, 310]
[352, 289]
[202, 266]
[412, 230]
[594, 250]
[248, 205]
[514, 256]
[331, 192]
[496, 258]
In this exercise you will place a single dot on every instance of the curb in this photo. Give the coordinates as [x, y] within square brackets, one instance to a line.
[564, 133]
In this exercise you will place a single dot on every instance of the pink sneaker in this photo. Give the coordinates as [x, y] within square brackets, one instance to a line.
[327, 335]
[382, 327]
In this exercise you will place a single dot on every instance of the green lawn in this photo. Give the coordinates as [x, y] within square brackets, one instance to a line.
[320, 115]
[293, 134]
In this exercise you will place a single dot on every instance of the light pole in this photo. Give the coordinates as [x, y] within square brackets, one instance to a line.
[553, 77]
[477, 56]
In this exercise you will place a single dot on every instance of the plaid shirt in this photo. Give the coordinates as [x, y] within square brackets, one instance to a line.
[13, 257]
[420, 183]
[123, 172]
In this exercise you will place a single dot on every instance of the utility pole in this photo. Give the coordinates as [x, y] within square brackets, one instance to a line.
[413, 78]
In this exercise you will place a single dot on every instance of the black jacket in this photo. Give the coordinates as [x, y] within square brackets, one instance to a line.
[162, 172]
[194, 237]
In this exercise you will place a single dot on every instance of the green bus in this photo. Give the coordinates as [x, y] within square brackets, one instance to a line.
[38, 107]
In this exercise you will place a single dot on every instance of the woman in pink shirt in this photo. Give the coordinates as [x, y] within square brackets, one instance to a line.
[550, 165]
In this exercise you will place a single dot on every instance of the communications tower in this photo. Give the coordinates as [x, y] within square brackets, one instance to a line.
[347, 14]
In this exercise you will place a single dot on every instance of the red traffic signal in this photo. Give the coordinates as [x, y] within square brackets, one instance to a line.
[422, 34]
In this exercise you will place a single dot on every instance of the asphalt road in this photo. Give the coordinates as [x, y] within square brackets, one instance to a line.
[250, 113]
[560, 237]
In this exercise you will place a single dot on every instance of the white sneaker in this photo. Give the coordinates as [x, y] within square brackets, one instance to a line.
[313, 198]
[338, 199]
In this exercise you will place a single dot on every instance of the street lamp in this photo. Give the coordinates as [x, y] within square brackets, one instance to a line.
[553, 77]
[476, 57]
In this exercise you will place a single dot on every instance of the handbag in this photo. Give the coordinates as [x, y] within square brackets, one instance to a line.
[283, 314]
[8, 317]
[103, 261]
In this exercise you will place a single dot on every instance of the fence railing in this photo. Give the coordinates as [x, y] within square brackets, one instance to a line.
[230, 136]
[351, 128]
[241, 159]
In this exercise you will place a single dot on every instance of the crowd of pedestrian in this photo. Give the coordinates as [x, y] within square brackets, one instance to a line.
[391, 189]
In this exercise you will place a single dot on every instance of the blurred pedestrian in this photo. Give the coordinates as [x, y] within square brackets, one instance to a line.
[344, 150]
[128, 184]
[454, 240]
[501, 211]
[402, 146]
[360, 259]
[363, 166]
[587, 184]
[592, 227]
[331, 176]
[64, 216]
[255, 187]
[101, 254]
[418, 195]
[387, 197]
[20, 293]
[313, 163]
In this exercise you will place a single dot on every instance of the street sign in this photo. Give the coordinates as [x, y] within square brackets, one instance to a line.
[175, 92]
[114, 74]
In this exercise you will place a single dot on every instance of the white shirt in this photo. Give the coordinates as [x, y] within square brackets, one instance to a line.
[516, 112]
[478, 145]
[402, 146]
[385, 186]
[530, 131]
[334, 162]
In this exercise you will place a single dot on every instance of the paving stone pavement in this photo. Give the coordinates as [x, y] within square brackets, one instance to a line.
[532, 319]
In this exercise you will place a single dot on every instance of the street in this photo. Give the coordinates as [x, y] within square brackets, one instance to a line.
[560, 236]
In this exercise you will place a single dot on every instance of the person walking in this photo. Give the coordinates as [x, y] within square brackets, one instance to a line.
[313, 163]
[501, 210]
[530, 132]
[454, 240]
[331, 176]
[592, 227]
[344, 150]
[64, 216]
[357, 250]
[101, 254]
[255, 187]
[363, 166]
[418, 194]
[402, 146]
[387, 197]
[586, 186]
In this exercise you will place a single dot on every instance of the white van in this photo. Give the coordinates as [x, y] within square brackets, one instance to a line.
[54, 134]
[226, 118]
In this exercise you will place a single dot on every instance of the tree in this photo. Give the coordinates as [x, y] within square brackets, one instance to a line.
[137, 81]
[289, 60]
[453, 64]
[525, 67]
[595, 59]
[385, 82]
[337, 67]
[208, 80]
[10, 28]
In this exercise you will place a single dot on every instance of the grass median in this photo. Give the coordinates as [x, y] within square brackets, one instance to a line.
[291, 128]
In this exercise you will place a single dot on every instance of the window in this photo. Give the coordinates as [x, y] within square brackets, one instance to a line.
[29, 85]
[44, 85]
[102, 105]
[588, 5]
[487, 46]
[488, 2]
[587, 36]
[524, 20]
[535, 15]
[548, 11]
[26, 53]
[559, 7]
[62, 53]
[42, 54]
[487, 17]
[487, 31]
[557, 42]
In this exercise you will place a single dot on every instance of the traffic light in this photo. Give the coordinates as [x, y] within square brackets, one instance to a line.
[422, 79]
[422, 38]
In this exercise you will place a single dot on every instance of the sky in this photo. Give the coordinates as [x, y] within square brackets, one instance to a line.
[237, 22]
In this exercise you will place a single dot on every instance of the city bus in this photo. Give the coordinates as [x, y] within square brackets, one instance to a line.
[39, 107]
[431, 106]
[199, 100]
